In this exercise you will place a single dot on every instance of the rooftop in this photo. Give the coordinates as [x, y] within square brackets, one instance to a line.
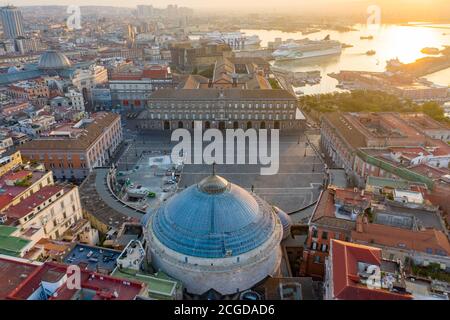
[325, 212]
[10, 245]
[92, 258]
[92, 132]
[350, 270]
[429, 171]
[387, 183]
[423, 121]
[429, 241]
[94, 286]
[29, 204]
[53, 60]
[10, 189]
[372, 129]
[160, 286]
[294, 288]
[228, 94]
[13, 273]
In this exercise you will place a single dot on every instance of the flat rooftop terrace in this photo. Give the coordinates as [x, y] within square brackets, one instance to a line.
[158, 286]
[92, 258]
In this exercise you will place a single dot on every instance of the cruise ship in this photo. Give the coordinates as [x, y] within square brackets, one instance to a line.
[234, 39]
[306, 48]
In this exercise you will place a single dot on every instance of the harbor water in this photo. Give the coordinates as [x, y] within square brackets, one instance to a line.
[404, 42]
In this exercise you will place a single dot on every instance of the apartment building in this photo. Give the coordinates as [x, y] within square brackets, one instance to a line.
[25, 280]
[52, 213]
[333, 218]
[29, 90]
[73, 150]
[18, 185]
[133, 86]
[350, 274]
[9, 160]
[342, 134]
[398, 220]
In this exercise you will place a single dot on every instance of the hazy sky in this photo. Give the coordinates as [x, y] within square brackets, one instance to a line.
[212, 3]
[429, 8]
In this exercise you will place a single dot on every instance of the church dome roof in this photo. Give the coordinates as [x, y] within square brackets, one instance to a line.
[286, 222]
[214, 219]
[53, 60]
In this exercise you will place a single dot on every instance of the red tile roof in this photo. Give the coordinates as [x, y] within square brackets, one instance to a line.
[14, 176]
[346, 284]
[442, 151]
[29, 204]
[352, 197]
[429, 171]
[409, 150]
[105, 287]
[5, 199]
[389, 236]
[12, 274]
[152, 72]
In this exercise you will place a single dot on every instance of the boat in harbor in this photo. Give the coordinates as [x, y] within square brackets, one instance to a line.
[370, 37]
[306, 48]
[371, 52]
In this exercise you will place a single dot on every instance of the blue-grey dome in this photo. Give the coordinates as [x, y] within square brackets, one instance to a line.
[214, 219]
[286, 222]
[53, 60]
[14, 69]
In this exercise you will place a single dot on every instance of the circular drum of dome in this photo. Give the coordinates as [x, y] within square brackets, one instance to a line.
[216, 235]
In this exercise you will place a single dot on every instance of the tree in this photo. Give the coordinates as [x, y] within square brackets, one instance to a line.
[434, 110]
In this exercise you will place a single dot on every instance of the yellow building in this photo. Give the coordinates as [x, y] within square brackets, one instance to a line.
[9, 161]
[54, 212]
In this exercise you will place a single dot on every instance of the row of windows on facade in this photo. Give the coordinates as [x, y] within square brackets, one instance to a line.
[52, 210]
[96, 150]
[236, 105]
[325, 235]
[56, 157]
[69, 165]
[94, 154]
[140, 85]
[69, 157]
[66, 225]
[230, 116]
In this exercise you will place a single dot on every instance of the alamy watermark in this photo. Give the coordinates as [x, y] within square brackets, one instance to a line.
[373, 22]
[73, 277]
[241, 147]
[74, 20]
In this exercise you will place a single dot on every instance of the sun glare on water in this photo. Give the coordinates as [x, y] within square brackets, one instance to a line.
[406, 43]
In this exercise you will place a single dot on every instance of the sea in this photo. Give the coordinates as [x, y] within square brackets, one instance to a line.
[404, 42]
